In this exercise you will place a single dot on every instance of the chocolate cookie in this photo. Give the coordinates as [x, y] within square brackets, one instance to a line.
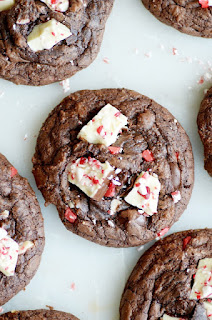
[21, 232]
[47, 41]
[172, 280]
[107, 190]
[38, 315]
[204, 122]
[191, 17]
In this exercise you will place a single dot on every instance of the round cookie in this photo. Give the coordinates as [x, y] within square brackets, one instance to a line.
[204, 123]
[152, 142]
[71, 34]
[191, 17]
[37, 315]
[21, 232]
[161, 283]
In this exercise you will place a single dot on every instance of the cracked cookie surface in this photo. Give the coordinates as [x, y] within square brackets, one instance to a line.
[38, 315]
[24, 223]
[150, 127]
[187, 16]
[162, 278]
[18, 63]
[204, 122]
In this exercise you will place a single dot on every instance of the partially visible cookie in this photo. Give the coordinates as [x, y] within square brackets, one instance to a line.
[191, 17]
[37, 315]
[117, 165]
[172, 280]
[21, 232]
[47, 41]
[204, 122]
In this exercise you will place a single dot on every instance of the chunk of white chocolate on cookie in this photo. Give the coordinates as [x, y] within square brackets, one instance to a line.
[104, 127]
[6, 4]
[166, 317]
[57, 5]
[8, 253]
[47, 35]
[208, 307]
[23, 247]
[202, 287]
[90, 176]
[145, 193]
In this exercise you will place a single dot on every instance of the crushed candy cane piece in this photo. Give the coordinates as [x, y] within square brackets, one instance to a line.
[91, 176]
[115, 150]
[65, 85]
[202, 287]
[148, 155]
[6, 4]
[104, 127]
[176, 196]
[8, 254]
[186, 242]
[13, 172]
[70, 215]
[73, 286]
[111, 190]
[57, 5]
[145, 193]
[205, 3]
[162, 233]
[46, 35]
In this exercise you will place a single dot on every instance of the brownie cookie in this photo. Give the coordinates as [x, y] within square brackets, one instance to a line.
[191, 17]
[21, 232]
[172, 280]
[117, 165]
[46, 41]
[38, 315]
[204, 122]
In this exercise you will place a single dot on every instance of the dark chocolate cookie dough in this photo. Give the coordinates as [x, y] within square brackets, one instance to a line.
[38, 315]
[187, 16]
[204, 122]
[21, 217]
[153, 141]
[19, 63]
[162, 279]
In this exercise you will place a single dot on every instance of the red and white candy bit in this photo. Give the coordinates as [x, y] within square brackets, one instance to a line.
[70, 215]
[176, 196]
[205, 3]
[202, 287]
[162, 233]
[111, 190]
[1, 310]
[115, 150]
[186, 242]
[13, 172]
[148, 155]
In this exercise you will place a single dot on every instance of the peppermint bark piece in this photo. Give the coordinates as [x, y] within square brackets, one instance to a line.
[146, 139]
[21, 232]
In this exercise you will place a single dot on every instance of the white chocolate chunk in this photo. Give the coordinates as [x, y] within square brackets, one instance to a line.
[166, 317]
[115, 203]
[5, 213]
[104, 127]
[6, 4]
[47, 35]
[57, 5]
[145, 193]
[208, 308]
[23, 247]
[176, 196]
[8, 254]
[89, 175]
[202, 287]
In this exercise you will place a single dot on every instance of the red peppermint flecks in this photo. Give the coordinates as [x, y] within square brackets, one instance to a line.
[204, 3]
[163, 232]
[73, 286]
[186, 241]
[99, 129]
[70, 215]
[177, 155]
[147, 195]
[13, 172]
[110, 191]
[114, 150]
[117, 114]
[201, 80]
[148, 155]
